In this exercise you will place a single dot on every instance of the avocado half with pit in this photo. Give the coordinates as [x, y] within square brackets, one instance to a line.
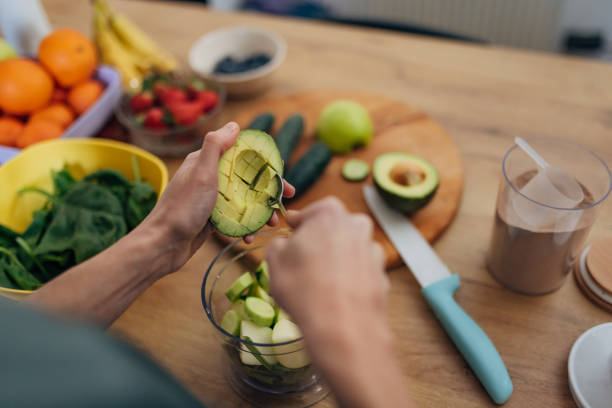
[406, 182]
[248, 186]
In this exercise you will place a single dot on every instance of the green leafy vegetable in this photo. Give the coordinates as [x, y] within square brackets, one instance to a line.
[16, 271]
[87, 220]
[257, 354]
[79, 220]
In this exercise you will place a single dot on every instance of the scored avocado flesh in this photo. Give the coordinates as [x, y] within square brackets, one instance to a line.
[248, 185]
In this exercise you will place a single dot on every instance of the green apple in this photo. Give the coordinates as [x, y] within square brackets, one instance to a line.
[6, 51]
[344, 125]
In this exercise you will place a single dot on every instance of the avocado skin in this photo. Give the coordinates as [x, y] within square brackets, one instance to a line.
[219, 226]
[405, 205]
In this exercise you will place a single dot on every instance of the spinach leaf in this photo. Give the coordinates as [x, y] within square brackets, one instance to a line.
[138, 197]
[7, 237]
[86, 220]
[257, 354]
[26, 255]
[62, 181]
[113, 181]
[5, 281]
[141, 200]
[13, 268]
[37, 227]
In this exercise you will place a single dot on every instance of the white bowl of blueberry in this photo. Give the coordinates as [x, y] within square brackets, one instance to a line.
[243, 58]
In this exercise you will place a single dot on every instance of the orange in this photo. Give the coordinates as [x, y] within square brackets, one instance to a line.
[25, 86]
[56, 112]
[68, 55]
[37, 131]
[10, 129]
[82, 96]
[59, 95]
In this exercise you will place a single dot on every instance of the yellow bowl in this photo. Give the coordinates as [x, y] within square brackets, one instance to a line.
[32, 167]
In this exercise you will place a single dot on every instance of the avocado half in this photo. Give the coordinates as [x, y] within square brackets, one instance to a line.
[406, 182]
[248, 186]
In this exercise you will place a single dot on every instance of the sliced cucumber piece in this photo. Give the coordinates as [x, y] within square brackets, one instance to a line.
[259, 311]
[231, 322]
[263, 276]
[241, 284]
[258, 291]
[289, 355]
[256, 334]
[238, 306]
[281, 315]
[355, 170]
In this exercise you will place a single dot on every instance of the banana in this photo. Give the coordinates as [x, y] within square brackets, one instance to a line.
[141, 44]
[113, 52]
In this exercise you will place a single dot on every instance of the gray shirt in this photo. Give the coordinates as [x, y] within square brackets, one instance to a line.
[46, 362]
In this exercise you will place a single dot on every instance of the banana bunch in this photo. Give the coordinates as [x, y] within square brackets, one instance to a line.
[125, 46]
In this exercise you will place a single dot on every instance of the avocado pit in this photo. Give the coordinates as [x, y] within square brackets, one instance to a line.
[407, 173]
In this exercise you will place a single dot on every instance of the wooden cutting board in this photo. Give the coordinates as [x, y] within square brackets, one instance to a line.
[397, 127]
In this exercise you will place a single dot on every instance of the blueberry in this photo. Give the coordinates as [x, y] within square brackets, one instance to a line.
[229, 65]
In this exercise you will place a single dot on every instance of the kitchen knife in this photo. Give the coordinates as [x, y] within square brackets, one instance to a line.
[438, 288]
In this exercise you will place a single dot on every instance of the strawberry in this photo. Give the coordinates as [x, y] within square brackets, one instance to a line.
[169, 95]
[208, 99]
[154, 119]
[142, 101]
[186, 112]
[195, 85]
[159, 88]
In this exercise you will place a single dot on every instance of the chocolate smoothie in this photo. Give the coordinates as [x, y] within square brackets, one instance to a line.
[533, 261]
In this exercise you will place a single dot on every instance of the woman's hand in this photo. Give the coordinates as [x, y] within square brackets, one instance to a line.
[330, 265]
[102, 287]
[329, 276]
[182, 213]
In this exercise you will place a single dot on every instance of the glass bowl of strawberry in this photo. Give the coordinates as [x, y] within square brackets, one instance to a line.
[172, 112]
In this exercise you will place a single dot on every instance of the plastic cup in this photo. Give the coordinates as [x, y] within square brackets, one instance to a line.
[535, 244]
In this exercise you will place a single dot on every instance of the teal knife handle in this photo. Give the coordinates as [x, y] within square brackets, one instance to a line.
[472, 342]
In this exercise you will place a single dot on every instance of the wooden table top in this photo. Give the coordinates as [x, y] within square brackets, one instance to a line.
[484, 96]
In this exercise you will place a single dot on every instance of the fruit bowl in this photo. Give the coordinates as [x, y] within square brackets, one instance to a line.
[90, 122]
[269, 384]
[172, 141]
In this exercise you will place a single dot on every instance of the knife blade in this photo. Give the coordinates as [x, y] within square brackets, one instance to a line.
[439, 285]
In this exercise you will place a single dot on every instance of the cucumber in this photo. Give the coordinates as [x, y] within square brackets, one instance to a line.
[289, 355]
[259, 311]
[309, 168]
[238, 307]
[256, 334]
[263, 276]
[280, 315]
[259, 292]
[231, 322]
[239, 286]
[262, 122]
[355, 170]
[288, 136]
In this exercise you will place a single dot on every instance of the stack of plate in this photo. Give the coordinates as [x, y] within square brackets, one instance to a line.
[588, 367]
[594, 273]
